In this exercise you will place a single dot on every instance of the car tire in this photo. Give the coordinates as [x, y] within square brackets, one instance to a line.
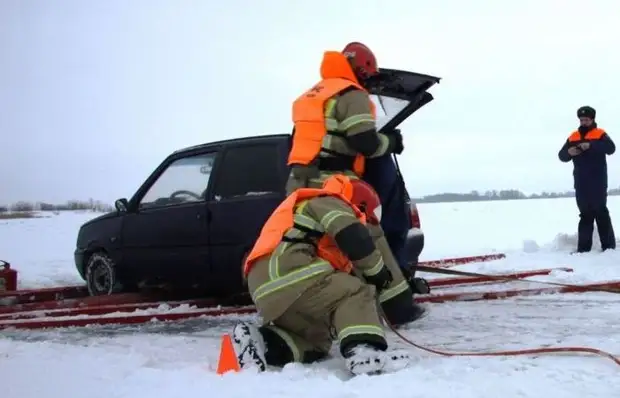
[100, 275]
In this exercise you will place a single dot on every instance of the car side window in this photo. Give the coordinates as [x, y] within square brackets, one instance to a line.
[183, 181]
[249, 170]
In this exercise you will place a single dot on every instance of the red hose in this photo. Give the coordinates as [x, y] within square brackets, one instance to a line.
[541, 350]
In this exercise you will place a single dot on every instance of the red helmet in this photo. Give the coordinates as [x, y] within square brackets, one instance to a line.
[367, 200]
[362, 60]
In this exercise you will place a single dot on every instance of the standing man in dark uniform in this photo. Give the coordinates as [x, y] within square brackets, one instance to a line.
[588, 147]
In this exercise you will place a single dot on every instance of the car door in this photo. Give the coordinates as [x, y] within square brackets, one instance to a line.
[249, 185]
[165, 233]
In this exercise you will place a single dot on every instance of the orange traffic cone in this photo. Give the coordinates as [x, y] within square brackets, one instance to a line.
[228, 357]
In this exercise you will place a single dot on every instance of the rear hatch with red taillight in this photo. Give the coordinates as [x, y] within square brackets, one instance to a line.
[415, 216]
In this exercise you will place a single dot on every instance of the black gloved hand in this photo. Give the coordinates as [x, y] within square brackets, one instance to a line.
[396, 141]
[417, 285]
[381, 280]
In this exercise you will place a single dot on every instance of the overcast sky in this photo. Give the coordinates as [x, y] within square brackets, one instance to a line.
[94, 94]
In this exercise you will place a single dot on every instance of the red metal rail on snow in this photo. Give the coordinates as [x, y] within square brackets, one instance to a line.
[43, 323]
[50, 322]
[72, 292]
[105, 309]
[115, 299]
[452, 262]
[70, 306]
[100, 305]
[469, 280]
[44, 294]
[175, 313]
[498, 295]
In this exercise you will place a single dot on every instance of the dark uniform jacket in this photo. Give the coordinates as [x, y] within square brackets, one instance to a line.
[590, 166]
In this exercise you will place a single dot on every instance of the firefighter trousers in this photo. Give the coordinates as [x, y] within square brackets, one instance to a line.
[339, 306]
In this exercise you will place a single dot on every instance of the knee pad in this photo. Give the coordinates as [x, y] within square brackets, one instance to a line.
[278, 353]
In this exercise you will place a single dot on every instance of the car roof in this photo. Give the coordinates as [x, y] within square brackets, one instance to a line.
[231, 141]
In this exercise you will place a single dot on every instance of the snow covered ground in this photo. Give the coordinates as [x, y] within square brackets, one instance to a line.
[171, 360]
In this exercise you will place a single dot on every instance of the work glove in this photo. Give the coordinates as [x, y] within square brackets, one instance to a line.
[380, 280]
[417, 285]
[396, 141]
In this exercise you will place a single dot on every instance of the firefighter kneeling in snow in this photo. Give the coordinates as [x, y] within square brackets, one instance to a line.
[314, 274]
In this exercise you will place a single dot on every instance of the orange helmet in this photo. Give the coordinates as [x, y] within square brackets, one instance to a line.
[367, 200]
[363, 61]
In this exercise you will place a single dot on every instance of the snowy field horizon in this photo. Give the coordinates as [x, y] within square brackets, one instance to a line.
[169, 360]
[28, 205]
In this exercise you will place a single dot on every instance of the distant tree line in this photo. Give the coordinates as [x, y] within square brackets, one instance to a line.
[26, 206]
[505, 194]
[446, 197]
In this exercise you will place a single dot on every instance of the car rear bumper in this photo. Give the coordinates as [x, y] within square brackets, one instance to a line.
[414, 244]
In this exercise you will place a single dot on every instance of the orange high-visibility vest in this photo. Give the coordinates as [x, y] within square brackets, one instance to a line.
[592, 135]
[309, 111]
[282, 219]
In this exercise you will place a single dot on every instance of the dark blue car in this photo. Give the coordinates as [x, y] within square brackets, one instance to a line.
[197, 215]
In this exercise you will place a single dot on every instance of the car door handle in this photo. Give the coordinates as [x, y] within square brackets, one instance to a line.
[198, 216]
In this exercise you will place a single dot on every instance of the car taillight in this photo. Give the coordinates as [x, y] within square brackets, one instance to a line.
[415, 217]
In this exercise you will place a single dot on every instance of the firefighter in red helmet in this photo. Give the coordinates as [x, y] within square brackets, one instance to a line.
[335, 121]
[314, 273]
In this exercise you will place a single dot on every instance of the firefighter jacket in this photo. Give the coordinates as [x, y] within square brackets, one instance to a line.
[334, 121]
[313, 233]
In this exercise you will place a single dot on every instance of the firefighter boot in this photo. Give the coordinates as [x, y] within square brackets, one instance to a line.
[366, 359]
[249, 346]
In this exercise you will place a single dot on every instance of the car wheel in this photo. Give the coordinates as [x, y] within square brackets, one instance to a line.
[100, 275]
